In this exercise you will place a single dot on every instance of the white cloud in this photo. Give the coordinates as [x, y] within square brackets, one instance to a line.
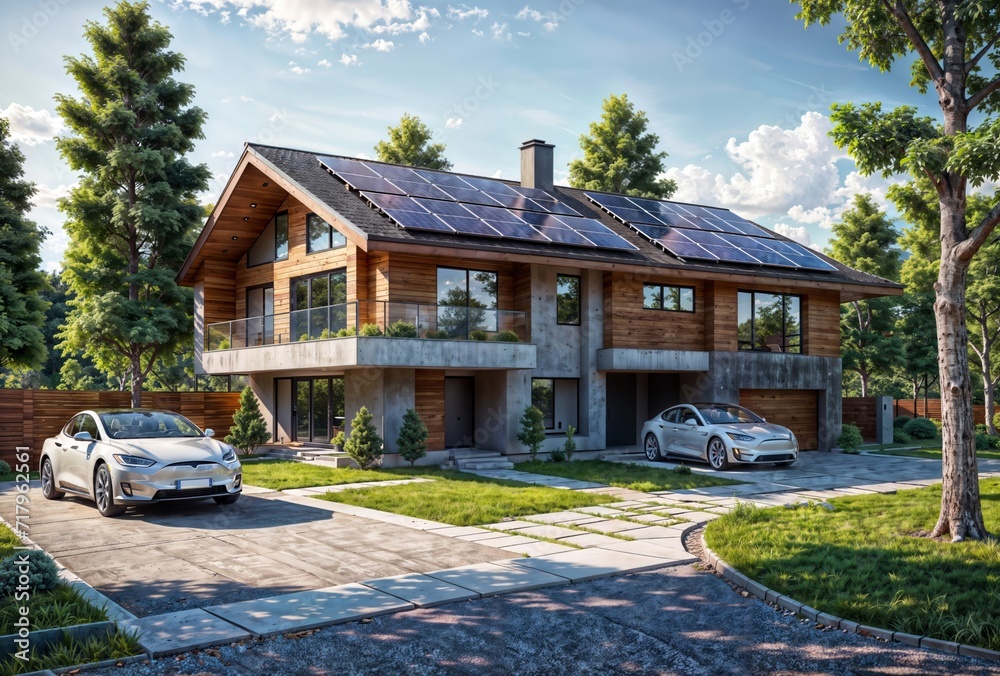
[224, 17]
[325, 63]
[454, 123]
[799, 234]
[498, 173]
[245, 99]
[420, 24]
[224, 153]
[227, 99]
[47, 197]
[380, 45]
[463, 12]
[424, 38]
[501, 32]
[297, 69]
[477, 33]
[549, 20]
[350, 60]
[29, 126]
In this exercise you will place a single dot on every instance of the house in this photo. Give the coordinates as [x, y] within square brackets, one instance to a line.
[491, 295]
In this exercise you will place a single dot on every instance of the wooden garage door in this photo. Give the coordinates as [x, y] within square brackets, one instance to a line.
[797, 410]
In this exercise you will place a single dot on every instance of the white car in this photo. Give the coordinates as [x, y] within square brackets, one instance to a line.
[121, 457]
[721, 434]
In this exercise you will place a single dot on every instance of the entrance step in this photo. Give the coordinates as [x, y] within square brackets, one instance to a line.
[502, 464]
[475, 459]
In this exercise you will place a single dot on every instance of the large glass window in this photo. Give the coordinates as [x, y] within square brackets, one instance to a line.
[281, 236]
[321, 236]
[319, 305]
[319, 408]
[665, 297]
[260, 315]
[559, 401]
[467, 300]
[769, 322]
[567, 299]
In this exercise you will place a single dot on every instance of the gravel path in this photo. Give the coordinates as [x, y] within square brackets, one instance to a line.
[678, 620]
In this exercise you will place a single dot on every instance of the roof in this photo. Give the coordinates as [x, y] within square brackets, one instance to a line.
[303, 169]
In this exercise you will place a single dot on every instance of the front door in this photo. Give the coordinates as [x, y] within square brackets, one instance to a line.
[459, 412]
[319, 408]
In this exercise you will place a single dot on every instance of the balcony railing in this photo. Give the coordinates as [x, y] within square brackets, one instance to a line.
[369, 318]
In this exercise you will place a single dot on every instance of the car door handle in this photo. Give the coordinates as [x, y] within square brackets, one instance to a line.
[58, 444]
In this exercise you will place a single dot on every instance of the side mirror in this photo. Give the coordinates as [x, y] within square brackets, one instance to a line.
[691, 421]
[209, 432]
[82, 436]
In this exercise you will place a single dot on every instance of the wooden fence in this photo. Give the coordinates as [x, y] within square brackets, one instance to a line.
[861, 411]
[29, 417]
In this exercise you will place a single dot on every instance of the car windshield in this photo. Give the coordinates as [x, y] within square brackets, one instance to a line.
[722, 414]
[147, 425]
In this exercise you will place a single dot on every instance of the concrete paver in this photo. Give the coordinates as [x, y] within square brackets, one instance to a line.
[421, 590]
[183, 630]
[590, 564]
[490, 579]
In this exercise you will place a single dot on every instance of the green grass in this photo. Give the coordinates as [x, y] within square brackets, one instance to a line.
[463, 499]
[935, 453]
[72, 653]
[12, 476]
[863, 562]
[622, 475]
[283, 474]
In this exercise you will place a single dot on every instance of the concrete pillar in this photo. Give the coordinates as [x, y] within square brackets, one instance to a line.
[262, 385]
[593, 383]
[883, 420]
[399, 394]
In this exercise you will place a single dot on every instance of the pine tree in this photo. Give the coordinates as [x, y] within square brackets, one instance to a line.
[619, 155]
[409, 144]
[364, 445]
[131, 216]
[22, 307]
[532, 433]
[412, 441]
[249, 428]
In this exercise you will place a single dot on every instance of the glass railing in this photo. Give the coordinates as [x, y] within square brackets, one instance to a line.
[369, 318]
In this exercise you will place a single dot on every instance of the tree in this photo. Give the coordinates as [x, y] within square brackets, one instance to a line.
[364, 445]
[619, 155]
[949, 40]
[22, 307]
[918, 334]
[249, 429]
[410, 144]
[130, 218]
[412, 441]
[865, 239]
[532, 433]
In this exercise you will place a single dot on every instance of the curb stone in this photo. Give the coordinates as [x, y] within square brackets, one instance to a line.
[761, 592]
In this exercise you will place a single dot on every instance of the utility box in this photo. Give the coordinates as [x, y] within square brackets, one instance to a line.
[883, 420]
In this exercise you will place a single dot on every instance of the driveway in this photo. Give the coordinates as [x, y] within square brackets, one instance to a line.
[174, 556]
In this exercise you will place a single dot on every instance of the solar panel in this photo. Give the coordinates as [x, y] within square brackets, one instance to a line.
[421, 189]
[609, 240]
[565, 236]
[441, 179]
[394, 173]
[513, 230]
[345, 166]
[489, 185]
[442, 208]
[533, 193]
[470, 226]
[653, 232]
[411, 220]
[470, 195]
[372, 184]
[587, 225]
[799, 254]
[394, 202]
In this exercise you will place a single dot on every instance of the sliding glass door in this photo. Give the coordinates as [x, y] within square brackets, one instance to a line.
[319, 408]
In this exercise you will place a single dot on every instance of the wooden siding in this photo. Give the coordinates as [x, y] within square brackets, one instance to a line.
[863, 412]
[720, 316]
[522, 293]
[798, 410]
[219, 278]
[429, 405]
[627, 324]
[821, 323]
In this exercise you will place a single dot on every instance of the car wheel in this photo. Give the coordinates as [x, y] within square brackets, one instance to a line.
[652, 448]
[49, 491]
[718, 457]
[104, 492]
[227, 499]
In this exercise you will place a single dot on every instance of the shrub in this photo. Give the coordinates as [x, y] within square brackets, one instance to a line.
[532, 433]
[900, 421]
[901, 437]
[938, 425]
[338, 439]
[558, 455]
[371, 330]
[850, 438]
[249, 428]
[364, 445]
[4, 467]
[478, 334]
[505, 337]
[401, 329]
[996, 421]
[436, 335]
[682, 469]
[412, 441]
[983, 442]
[344, 333]
[223, 344]
[981, 428]
[921, 428]
[994, 441]
[569, 446]
[43, 576]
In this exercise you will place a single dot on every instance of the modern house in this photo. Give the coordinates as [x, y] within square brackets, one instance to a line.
[337, 283]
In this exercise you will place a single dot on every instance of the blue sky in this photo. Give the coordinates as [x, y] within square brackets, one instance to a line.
[737, 90]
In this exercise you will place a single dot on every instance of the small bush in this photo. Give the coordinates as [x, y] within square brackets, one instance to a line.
[249, 429]
[371, 330]
[338, 439]
[436, 335]
[364, 445]
[900, 421]
[532, 433]
[996, 421]
[850, 438]
[994, 442]
[558, 455]
[921, 428]
[901, 437]
[401, 329]
[938, 425]
[981, 428]
[412, 441]
[4, 467]
[569, 446]
[682, 470]
[344, 333]
[43, 576]
[478, 334]
[983, 442]
[505, 337]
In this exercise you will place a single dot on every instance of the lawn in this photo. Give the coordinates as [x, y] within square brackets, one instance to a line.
[863, 562]
[622, 475]
[12, 476]
[934, 453]
[282, 474]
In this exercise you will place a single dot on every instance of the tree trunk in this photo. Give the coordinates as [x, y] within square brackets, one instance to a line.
[137, 378]
[990, 404]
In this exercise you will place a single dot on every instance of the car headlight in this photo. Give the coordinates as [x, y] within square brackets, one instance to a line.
[133, 460]
[739, 437]
[229, 455]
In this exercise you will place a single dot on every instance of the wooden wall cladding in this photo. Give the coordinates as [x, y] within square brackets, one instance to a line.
[429, 404]
[798, 410]
[627, 324]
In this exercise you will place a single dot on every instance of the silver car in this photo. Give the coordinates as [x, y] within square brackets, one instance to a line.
[121, 457]
[722, 434]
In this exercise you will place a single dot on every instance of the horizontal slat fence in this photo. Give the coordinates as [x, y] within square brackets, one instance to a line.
[862, 412]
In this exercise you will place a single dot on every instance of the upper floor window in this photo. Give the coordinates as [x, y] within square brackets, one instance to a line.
[665, 297]
[272, 245]
[281, 236]
[567, 299]
[471, 299]
[769, 322]
[321, 236]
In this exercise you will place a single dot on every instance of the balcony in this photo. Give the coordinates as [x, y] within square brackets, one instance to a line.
[370, 333]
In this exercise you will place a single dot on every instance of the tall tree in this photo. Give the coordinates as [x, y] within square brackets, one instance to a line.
[22, 307]
[865, 239]
[950, 40]
[409, 143]
[619, 154]
[129, 216]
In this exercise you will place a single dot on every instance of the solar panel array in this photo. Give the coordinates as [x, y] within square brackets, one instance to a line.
[418, 199]
[704, 233]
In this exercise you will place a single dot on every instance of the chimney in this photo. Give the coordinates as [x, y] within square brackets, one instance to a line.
[536, 165]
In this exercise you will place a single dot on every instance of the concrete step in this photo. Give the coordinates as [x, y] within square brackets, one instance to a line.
[500, 464]
[620, 456]
[460, 453]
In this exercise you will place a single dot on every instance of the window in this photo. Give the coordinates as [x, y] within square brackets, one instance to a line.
[321, 236]
[769, 322]
[467, 301]
[567, 299]
[672, 298]
[281, 236]
[260, 315]
[559, 401]
[319, 305]
[272, 245]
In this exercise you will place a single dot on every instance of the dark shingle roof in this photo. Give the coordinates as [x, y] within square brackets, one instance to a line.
[303, 168]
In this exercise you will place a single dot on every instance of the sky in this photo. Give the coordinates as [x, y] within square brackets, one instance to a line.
[738, 91]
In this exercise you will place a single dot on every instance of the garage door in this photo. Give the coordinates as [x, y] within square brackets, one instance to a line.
[797, 410]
